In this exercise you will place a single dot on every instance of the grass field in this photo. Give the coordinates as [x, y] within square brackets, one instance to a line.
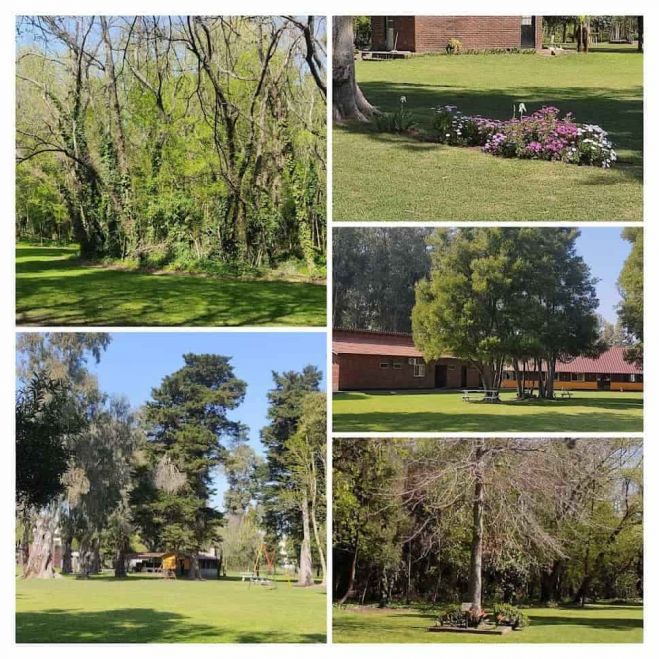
[592, 624]
[147, 609]
[54, 288]
[379, 176]
[430, 411]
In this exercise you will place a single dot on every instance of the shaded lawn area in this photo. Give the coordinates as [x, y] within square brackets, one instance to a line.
[149, 609]
[430, 411]
[596, 623]
[379, 176]
[54, 288]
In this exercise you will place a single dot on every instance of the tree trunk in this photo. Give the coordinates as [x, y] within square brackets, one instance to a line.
[40, 560]
[195, 571]
[319, 545]
[348, 101]
[305, 576]
[67, 557]
[120, 563]
[640, 33]
[476, 563]
[351, 577]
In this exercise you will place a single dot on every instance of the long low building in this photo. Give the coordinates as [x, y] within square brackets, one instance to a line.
[366, 360]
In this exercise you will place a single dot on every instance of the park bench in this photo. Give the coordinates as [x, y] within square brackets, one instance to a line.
[247, 576]
[565, 393]
[480, 395]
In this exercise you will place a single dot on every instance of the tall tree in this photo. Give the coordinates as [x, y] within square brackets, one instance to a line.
[187, 427]
[630, 285]
[284, 412]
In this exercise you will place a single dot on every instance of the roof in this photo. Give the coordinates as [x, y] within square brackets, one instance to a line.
[397, 344]
[366, 342]
[610, 361]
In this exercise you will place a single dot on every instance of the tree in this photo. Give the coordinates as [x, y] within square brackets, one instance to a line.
[497, 296]
[187, 427]
[348, 101]
[284, 412]
[305, 456]
[192, 140]
[630, 286]
[60, 357]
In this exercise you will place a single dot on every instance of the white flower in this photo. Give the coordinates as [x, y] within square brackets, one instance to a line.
[403, 99]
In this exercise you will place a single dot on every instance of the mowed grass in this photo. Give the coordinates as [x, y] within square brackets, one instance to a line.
[54, 288]
[592, 624]
[148, 609]
[379, 176]
[430, 411]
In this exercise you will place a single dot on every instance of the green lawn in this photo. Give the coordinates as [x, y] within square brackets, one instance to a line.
[380, 176]
[592, 624]
[54, 288]
[430, 411]
[148, 609]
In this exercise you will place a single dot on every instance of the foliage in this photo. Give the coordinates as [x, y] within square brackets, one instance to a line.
[374, 272]
[487, 302]
[542, 135]
[630, 285]
[400, 121]
[456, 616]
[46, 420]
[187, 425]
[363, 31]
[191, 141]
[512, 616]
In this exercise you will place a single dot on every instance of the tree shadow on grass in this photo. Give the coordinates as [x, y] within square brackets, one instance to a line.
[619, 112]
[78, 295]
[139, 625]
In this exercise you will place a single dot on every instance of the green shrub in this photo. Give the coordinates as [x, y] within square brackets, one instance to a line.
[509, 615]
[454, 47]
[399, 121]
[455, 616]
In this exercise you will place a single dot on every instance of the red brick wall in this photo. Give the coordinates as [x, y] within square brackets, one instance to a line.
[362, 372]
[403, 32]
[429, 34]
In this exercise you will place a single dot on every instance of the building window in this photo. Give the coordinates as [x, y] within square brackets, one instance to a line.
[397, 365]
[527, 20]
[384, 364]
[578, 377]
[419, 369]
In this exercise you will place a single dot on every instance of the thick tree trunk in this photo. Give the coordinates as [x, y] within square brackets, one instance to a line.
[475, 595]
[40, 560]
[305, 576]
[640, 33]
[348, 101]
[120, 563]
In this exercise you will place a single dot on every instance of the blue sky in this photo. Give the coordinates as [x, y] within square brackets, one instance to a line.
[605, 252]
[135, 362]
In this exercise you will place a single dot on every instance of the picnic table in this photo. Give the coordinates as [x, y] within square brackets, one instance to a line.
[481, 395]
[566, 393]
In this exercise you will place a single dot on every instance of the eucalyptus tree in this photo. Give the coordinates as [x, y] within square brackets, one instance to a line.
[630, 285]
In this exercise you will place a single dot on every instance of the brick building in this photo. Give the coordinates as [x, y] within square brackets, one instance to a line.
[431, 34]
[365, 360]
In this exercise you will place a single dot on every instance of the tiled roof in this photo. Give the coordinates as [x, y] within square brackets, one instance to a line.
[610, 361]
[394, 344]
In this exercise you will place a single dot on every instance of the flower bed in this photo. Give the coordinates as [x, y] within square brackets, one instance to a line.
[542, 135]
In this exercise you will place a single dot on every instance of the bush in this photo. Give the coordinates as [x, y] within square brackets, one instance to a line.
[455, 616]
[454, 47]
[543, 135]
[399, 121]
[509, 615]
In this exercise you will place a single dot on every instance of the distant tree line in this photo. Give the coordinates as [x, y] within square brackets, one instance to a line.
[487, 520]
[173, 139]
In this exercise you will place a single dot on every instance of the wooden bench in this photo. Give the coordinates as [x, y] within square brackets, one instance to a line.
[247, 576]
[565, 393]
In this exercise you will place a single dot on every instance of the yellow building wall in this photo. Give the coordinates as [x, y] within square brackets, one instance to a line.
[577, 385]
